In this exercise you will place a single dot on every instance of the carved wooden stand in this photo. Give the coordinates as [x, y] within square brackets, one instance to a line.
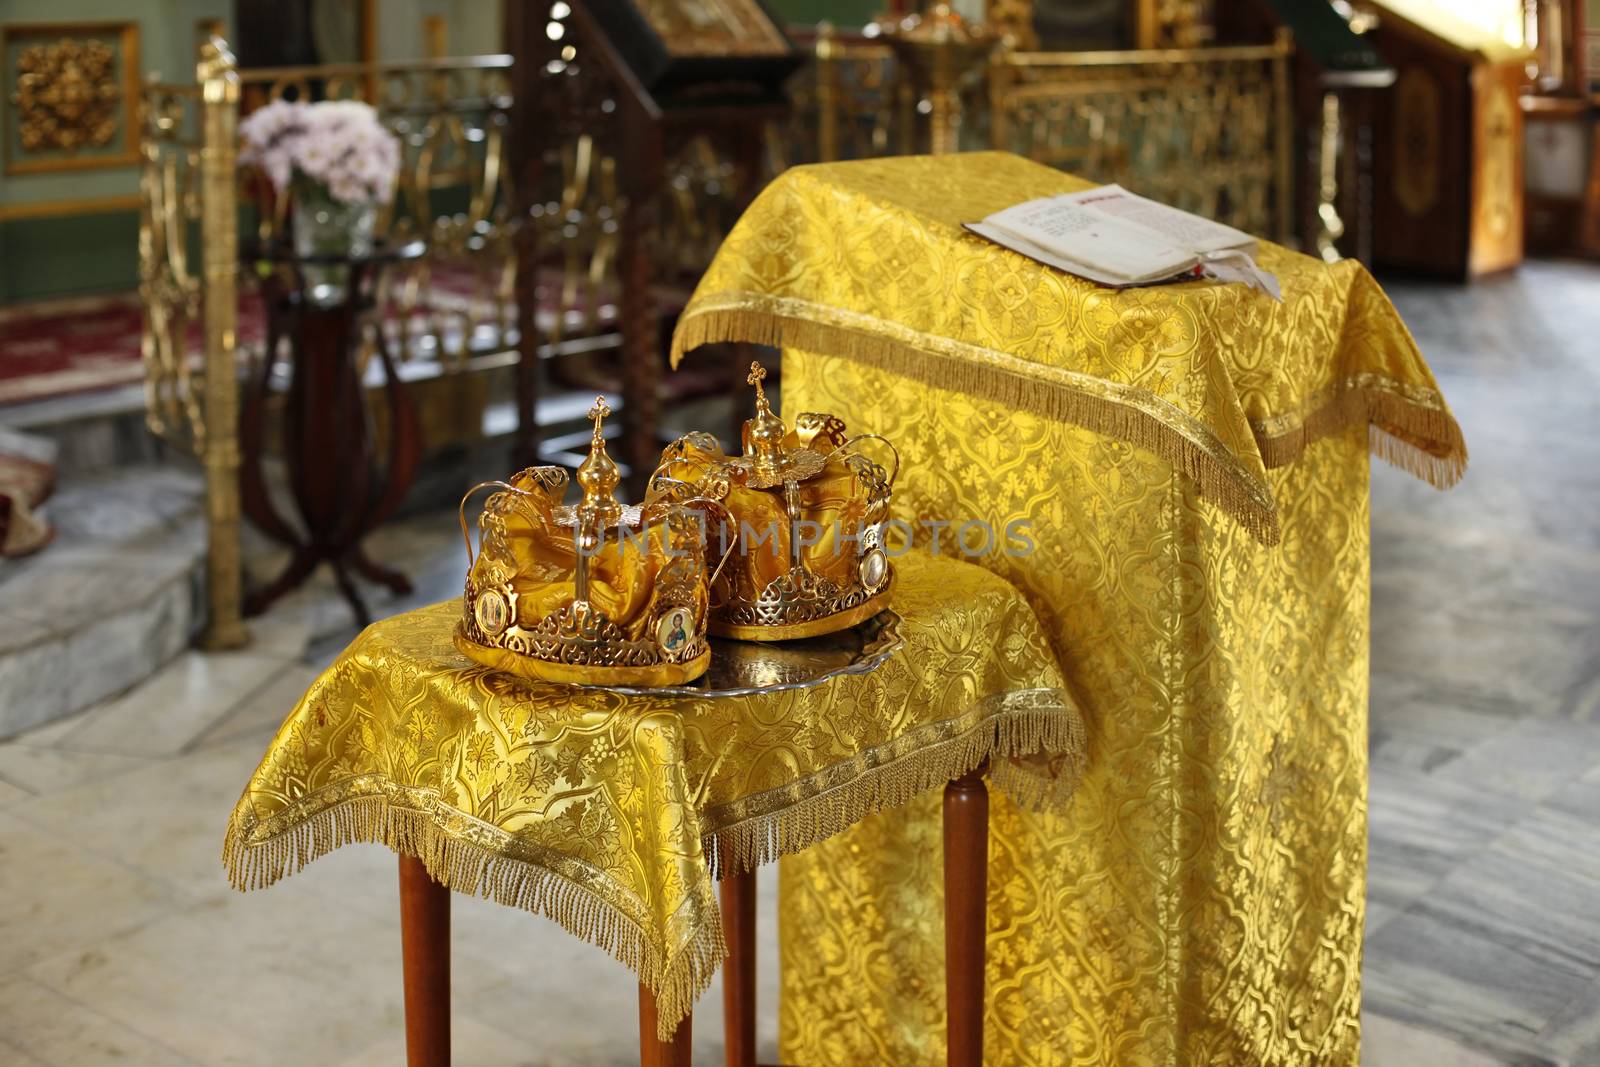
[339, 489]
[425, 928]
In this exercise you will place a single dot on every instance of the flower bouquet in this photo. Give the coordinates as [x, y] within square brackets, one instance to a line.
[338, 162]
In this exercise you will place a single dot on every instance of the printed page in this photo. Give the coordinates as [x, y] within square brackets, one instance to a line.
[1050, 259]
[1180, 228]
[1125, 250]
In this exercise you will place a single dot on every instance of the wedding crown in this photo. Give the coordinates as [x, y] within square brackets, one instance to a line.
[596, 593]
[803, 511]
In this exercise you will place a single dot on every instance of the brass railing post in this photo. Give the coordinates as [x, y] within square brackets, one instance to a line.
[1330, 225]
[1283, 136]
[939, 49]
[827, 75]
[218, 438]
[998, 77]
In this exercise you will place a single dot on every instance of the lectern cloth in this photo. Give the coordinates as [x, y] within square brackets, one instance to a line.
[868, 260]
[611, 813]
[1189, 462]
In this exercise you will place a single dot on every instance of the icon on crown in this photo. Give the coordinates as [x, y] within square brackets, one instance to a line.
[593, 593]
[804, 512]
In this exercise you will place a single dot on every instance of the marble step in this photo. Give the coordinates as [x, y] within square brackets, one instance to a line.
[93, 431]
[110, 601]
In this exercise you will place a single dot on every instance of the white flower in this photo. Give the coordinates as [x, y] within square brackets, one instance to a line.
[339, 144]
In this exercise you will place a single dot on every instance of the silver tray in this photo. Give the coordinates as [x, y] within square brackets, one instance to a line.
[744, 668]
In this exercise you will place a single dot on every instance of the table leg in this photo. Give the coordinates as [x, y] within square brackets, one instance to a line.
[654, 1052]
[425, 948]
[739, 969]
[966, 898]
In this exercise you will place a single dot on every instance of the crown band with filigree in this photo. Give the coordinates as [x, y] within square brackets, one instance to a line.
[812, 476]
[537, 590]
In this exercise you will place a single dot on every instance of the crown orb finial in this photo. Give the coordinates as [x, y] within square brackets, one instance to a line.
[764, 434]
[598, 475]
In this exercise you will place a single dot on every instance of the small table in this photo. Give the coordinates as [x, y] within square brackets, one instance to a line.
[615, 811]
[341, 492]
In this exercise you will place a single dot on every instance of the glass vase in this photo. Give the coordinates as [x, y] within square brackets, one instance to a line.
[325, 228]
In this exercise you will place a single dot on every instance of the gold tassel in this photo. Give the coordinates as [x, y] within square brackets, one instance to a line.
[1023, 723]
[1219, 479]
[467, 867]
[1421, 439]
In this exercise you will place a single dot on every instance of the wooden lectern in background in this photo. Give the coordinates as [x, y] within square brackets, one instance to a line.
[1448, 147]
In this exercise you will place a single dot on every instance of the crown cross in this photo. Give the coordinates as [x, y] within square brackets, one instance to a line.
[757, 374]
[599, 410]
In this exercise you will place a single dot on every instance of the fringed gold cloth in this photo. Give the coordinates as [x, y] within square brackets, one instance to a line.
[1190, 463]
[612, 813]
[867, 261]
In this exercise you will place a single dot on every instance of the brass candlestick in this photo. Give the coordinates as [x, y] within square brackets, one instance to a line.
[939, 48]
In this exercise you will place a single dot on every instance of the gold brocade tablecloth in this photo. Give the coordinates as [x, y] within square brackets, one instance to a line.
[611, 813]
[1202, 899]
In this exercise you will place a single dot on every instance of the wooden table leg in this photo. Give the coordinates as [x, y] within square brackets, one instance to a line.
[654, 1052]
[966, 898]
[739, 970]
[425, 948]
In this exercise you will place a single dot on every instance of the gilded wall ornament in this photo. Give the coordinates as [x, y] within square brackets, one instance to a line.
[73, 89]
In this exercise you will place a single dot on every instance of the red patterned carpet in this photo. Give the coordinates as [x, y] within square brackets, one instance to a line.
[68, 347]
[62, 347]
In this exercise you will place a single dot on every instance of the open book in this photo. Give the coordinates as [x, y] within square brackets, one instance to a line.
[1111, 236]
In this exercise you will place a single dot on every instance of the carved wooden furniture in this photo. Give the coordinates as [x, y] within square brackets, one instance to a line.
[1336, 77]
[649, 101]
[1562, 116]
[1448, 151]
[340, 489]
[848, 102]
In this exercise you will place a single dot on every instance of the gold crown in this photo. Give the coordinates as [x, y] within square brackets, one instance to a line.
[596, 593]
[803, 514]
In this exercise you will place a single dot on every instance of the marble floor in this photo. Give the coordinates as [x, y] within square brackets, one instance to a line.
[1483, 944]
[1484, 902]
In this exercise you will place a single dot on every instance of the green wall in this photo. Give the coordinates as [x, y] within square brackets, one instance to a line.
[66, 255]
[72, 254]
[844, 14]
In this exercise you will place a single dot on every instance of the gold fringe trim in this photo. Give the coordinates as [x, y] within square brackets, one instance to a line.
[1416, 437]
[1010, 727]
[1033, 738]
[1120, 411]
[473, 869]
[1415, 433]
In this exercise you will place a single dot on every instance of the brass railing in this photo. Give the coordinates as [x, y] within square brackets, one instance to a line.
[450, 116]
[1205, 129]
[187, 266]
[862, 107]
